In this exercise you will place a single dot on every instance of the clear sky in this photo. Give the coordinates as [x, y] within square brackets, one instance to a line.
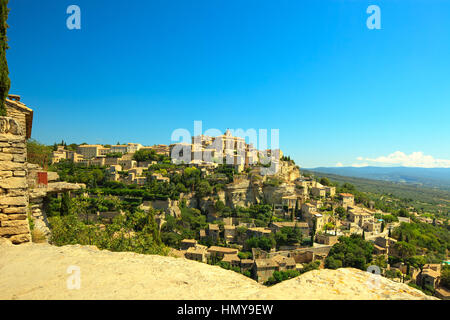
[337, 91]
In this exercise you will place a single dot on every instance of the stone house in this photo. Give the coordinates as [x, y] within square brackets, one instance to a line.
[213, 231]
[229, 233]
[373, 227]
[308, 209]
[91, 151]
[188, 243]
[232, 259]
[284, 263]
[246, 265]
[159, 177]
[319, 192]
[348, 199]
[197, 253]
[127, 164]
[330, 191]
[258, 232]
[59, 154]
[277, 226]
[327, 239]
[359, 216]
[263, 269]
[429, 277]
[386, 243]
[220, 252]
[404, 219]
[289, 201]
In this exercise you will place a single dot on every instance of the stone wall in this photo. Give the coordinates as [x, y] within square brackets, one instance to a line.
[13, 181]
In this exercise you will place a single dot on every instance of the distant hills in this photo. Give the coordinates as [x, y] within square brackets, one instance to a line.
[428, 177]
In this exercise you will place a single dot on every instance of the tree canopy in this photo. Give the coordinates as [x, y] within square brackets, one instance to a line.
[350, 251]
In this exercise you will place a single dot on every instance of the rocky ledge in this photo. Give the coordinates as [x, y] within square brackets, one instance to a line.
[40, 271]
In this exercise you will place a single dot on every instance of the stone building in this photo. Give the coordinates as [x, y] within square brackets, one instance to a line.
[347, 199]
[15, 129]
[197, 253]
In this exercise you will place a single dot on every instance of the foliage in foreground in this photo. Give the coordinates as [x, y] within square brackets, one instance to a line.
[137, 233]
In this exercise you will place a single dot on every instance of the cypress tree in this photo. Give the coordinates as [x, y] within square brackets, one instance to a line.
[5, 83]
[313, 232]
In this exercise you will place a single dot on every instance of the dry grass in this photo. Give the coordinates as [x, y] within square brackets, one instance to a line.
[38, 236]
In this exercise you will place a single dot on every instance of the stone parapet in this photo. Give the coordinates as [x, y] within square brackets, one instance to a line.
[14, 201]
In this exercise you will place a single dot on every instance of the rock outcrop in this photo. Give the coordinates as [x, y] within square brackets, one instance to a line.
[37, 193]
[40, 271]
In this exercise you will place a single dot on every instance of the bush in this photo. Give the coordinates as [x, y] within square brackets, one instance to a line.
[279, 276]
[119, 236]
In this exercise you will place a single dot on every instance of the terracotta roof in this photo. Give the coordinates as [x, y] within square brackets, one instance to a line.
[346, 195]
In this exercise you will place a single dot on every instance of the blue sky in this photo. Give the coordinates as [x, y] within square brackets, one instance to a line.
[336, 90]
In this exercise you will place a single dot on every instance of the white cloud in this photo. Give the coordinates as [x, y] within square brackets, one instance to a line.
[359, 165]
[339, 164]
[415, 159]
[360, 158]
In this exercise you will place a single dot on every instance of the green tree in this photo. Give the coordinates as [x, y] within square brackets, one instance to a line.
[38, 153]
[313, 232]
[445, 277]
[65, 204]
[352, 251]
[404, 250]
[5, 82]
[325, 181]
[279, 276]
[341, 212]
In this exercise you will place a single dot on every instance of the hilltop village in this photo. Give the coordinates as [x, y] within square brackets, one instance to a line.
[217, 200]
[257, 222]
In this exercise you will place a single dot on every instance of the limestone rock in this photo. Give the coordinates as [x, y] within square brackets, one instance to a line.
[20, 238]
[13, 201]
[13, 183]
[38, 271]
